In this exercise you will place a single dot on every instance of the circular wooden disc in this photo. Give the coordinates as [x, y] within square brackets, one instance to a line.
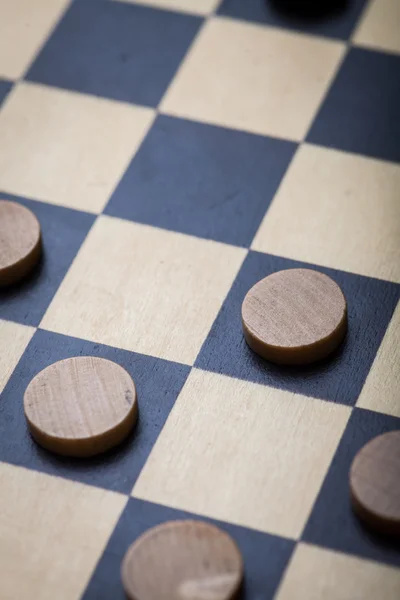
[296, 316]
[375, 483]
[81, 406]
[183, 559]
[20, 242]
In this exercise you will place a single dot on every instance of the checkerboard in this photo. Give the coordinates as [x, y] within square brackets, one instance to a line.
[175, 152]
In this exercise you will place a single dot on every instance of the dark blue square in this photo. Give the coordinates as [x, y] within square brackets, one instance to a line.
[158, 383]
[333, 523]
[332, 18]
[265, 556]
[361, 111]
[340, 378]
[202, 180]
[117, 50]
[5, 87]
[63, 231]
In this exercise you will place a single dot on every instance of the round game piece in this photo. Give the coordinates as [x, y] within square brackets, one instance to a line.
[296, 316]
[183, 559]
[375, 483]
[20, 242]
[81, 406]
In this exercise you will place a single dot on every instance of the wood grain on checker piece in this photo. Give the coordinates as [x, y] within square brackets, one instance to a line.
[296, 316]
[183, 559]
[375, 483]
[81, 406]
[20, 242]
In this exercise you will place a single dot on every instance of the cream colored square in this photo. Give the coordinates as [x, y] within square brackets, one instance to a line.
[243, 453]
[14, 338]
[144, 289]
[24, 27]
[259, 79]
[318, 574]
[53, 532]
[196, 7]
[380, 26]
[338, 210]
[67, 148]
[381, 389]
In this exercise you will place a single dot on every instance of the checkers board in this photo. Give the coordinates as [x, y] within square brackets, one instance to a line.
[175, 152]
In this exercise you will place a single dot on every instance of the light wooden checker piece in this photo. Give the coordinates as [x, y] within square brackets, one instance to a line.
[81, 406]
[20, 242]
[375, 483]
[183, 560]
[295, 316]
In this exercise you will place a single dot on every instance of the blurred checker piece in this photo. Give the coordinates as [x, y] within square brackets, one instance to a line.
[296, 316]
[81, 406]
[20, 242]
[183, 559]
[375, 483]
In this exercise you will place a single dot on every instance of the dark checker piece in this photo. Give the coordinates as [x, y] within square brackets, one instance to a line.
[183, 559]
[331, 18]
[296, 316]
[20, 242]
[81, 406]
[375, 483]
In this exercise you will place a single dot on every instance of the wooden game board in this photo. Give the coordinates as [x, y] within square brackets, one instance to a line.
[175, 152]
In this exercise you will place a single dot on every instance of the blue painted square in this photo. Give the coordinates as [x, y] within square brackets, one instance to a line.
[265, 556]
[361, 111]
[202, 180]
[331, 18]
[63, 231]
[5, 87]
[117, 50]
[340, 378]
[158, 383]
[333, 523]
